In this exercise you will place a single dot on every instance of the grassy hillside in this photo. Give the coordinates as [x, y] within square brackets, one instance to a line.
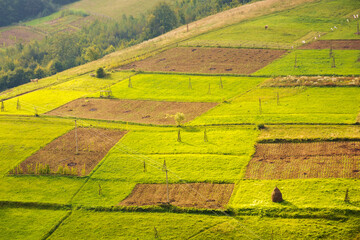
[287, 29]
[217, 147]
[114, 9]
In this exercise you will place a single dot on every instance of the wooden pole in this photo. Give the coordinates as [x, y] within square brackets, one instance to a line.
[76, 140]
[278, 99]
[260, 110]
[167, 182]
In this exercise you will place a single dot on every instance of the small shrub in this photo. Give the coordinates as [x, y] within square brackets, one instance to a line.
[100, 73]
[261, 126]
[179, 118]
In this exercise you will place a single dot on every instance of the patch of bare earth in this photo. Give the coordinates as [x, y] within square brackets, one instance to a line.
[207, 60]
[19, 34]
[197, 195]
[305, 160]
[138, 111]
[319, 81]
[334, 44]
[93, 145]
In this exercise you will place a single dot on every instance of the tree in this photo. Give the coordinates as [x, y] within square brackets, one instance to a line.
[92, 53]
[100, 73]
[179, 117]
[161, 20]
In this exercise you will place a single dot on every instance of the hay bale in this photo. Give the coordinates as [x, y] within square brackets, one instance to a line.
[276, 195]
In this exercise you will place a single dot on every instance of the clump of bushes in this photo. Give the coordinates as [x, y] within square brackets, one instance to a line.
[100, 73]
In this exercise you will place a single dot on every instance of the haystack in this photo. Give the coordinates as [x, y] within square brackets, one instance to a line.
[276, 195]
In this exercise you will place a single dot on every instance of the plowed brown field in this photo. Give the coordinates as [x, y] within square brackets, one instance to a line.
[305, 160]
[93, 144]
[148, 112]
[197, 195]
[208, 60]
[335, 44]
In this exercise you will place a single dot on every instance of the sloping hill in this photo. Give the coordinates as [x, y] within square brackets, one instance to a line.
[115, 8]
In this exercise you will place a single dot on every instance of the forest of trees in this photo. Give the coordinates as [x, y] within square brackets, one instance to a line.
[63, 50]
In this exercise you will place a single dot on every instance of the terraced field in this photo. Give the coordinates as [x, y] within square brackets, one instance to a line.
[241, 136]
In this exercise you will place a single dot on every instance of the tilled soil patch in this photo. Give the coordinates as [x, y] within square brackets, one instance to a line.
[208, 60]
[305, 160]
[147, 112]
[60, 154]
[197, 195]
[19, 34]
[334, 44]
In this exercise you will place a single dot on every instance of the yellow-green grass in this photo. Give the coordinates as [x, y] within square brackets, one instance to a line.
[49, 98]
[40, 101]
[112, 192]
[115, 225]
[17, 223]
[20, 138]
[176, 87]
[182, 168]
[39, 189]
[288, 28]
[315, 62]
[309, 132]
[32, 86]
[235, 141]
[304, 193]
[115, 9]
[296, 105]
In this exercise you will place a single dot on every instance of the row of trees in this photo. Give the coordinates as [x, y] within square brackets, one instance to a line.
[12, 11]
[62, 51]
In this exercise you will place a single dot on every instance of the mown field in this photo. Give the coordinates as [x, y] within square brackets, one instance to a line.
[295, 105]
[217, 147]
[287, 29]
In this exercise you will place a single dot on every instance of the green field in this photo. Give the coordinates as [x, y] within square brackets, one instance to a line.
[56, 95]
[82, 225]
[314, 62]
[17, 223]
[176, 87]
[304, 193]
[296, 105]
[287, 29]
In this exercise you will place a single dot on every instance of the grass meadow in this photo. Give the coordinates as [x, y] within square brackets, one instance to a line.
[95, 225]
[176, 87]
[304, 193]
[56, 95]
[296, 105]
[315, 62]
[17, 223]
[287, 29]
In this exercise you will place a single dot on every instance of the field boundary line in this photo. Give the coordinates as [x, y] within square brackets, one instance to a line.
[206, 229]
[56, 226]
